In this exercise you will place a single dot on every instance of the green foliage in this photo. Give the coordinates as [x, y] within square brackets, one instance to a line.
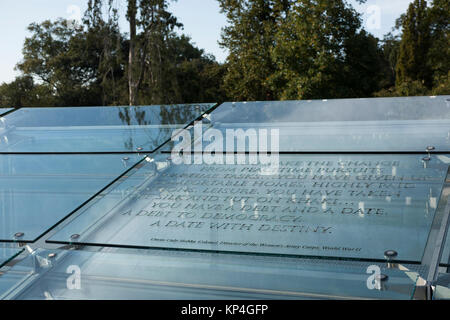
[58, 55]
[278, 49]
[65, 64]
[311, 50]
[198, 76]
[366, 69]
[421, 53]
[151, 72]
[23, 92]
[298, 49]
[439, 53]
[412, 60]
[249, 38]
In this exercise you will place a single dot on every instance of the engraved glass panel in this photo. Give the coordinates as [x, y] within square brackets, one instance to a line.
[340, 206]
[94, 129]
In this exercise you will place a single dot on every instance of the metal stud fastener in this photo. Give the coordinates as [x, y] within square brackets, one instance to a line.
[390, 255]
[51, 255]
[139, 148]
[19, 235]
[74, 236]
[126, 159]
[428, 150]
[426, 159]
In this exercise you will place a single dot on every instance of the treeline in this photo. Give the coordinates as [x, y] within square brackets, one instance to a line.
[278, 49]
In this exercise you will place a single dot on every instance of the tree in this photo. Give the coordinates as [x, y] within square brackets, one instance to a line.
[198, 75]
[420, 55]
[390, 47]
[250, 38]
[439, 53]
[297, 49]
[412, 62]
[89, 64]
[59, 57]
[134, 72]
[365, 68]
[23, 92]
[103, 37]
[147, 49]
[311, 50]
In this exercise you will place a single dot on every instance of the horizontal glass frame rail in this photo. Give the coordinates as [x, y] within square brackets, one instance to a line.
[111, 275]
[94, 129]
[410, 124]
[328, 206]
[38, 191]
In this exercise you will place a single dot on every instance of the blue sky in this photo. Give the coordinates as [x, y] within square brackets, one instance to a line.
[201, 18]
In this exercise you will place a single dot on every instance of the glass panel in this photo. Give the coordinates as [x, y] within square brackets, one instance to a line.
[94, 129]
[6, 254]
[37, 191]
[382, 124]
[177, 276]
[346, 206]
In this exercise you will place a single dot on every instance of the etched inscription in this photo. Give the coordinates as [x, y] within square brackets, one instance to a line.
[346, 206]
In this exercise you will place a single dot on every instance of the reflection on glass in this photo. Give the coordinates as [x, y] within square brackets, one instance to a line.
[176, 276]
[346, 206]
[94, 129]
[37, 191]
[381, 124]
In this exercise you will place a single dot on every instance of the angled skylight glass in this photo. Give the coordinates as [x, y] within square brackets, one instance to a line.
[355, 125]
[38, 191]
[94, 129]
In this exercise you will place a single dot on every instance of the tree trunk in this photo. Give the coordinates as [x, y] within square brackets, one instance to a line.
[132, 81]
